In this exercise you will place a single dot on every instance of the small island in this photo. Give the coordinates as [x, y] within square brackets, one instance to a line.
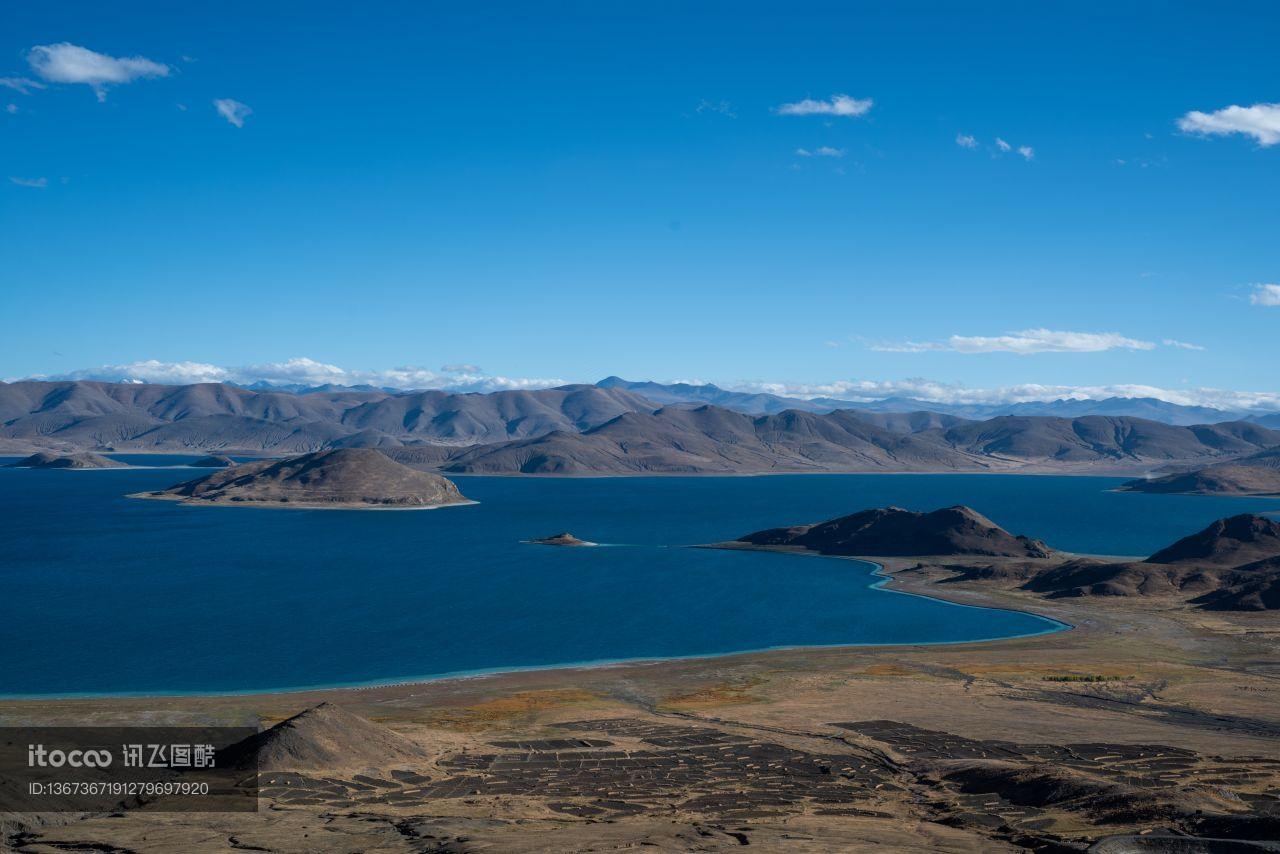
[350, 478]
[213, 461]
[564, 538]
[49, 460]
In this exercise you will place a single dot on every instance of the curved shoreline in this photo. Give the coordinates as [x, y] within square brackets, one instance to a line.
[877, 572]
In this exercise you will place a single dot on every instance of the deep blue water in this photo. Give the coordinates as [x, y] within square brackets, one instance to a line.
[105, 594]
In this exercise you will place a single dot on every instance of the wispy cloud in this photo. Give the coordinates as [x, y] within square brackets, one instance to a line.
[1181, 345]
[824, 151]
[934, 391]
[68, 63]
[20, 84]
[39, 183]
[722, 108]
[1268, 295]
[1025, 342]
[11, 109]
[838, 105]
[232, 110]
[999, 147]
[306, 372]
[1261, 121]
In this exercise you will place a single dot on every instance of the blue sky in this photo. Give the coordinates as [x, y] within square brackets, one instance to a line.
[572, 190]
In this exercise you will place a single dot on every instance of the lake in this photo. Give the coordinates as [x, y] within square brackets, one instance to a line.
[104, 594]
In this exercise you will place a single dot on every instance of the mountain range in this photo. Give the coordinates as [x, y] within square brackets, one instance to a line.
[760, 403]
[587, 429]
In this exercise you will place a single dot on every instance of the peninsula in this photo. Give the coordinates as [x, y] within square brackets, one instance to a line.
[1255, 474]
[1232, 565]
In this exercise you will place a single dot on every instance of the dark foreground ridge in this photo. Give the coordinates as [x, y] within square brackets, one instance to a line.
[891, 531]
[47, 460]
[348, 477]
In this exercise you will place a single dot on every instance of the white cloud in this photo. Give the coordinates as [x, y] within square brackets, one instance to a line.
[69, 63]
[307, 372]
[20, 84]
[1027, 152]
[1261, 121]
[11, 109]
[232, 110]
[1002, 145]
[1026, 342]
[933, 391]
[1181, 345]
[40, 183]
[1268, 295]
[964, 140]
[824, 151]
[839, 105]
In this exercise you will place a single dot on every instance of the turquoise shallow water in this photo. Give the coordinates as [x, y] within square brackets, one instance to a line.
[105, 594]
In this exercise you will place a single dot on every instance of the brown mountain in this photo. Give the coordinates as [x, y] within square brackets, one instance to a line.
[581, 429]
[215, 416]
[709, 439]
[323, 738]
[1256, 474]
[888, 531]
[347, 477]
[47, 460]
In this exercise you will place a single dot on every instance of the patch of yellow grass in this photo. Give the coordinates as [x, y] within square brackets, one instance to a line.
[501, 709]
[888, 670]
[731, 693]
[1049, 672]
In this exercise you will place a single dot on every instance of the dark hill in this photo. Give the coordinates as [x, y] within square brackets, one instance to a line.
[47, 460]
[348, 477]
[1227, 542]
[322, 738]
[1252, 587]
[894, 531]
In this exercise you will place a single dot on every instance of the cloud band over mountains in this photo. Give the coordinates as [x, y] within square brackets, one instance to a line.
[306, 373]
